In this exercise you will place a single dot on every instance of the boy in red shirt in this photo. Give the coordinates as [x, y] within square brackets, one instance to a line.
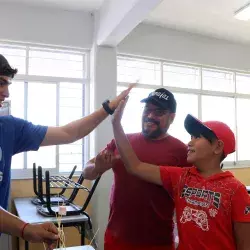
[212, 206]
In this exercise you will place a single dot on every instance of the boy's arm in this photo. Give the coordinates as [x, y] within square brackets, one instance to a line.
[145, 171]
[148, 172]
[152, 173]
[241, 218]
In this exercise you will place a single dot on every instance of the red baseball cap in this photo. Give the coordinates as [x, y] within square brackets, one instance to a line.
[211, 130]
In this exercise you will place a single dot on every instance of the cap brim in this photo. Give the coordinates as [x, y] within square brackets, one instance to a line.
[153, 101]
[196, 128]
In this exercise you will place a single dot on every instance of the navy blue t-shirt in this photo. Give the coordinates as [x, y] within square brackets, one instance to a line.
[16, 135]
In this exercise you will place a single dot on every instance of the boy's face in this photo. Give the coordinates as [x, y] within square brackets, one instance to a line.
[201, 150]
[5, 81]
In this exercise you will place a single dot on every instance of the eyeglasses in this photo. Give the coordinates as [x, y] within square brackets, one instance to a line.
[155, 112]
[4, 82]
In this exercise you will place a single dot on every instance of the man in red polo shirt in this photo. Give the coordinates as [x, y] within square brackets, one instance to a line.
[212, 206]
[141, 213]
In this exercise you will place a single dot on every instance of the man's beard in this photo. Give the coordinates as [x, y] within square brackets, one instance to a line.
[156, 133]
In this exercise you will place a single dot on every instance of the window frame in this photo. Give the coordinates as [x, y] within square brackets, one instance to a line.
[26, 173]
[199, 92]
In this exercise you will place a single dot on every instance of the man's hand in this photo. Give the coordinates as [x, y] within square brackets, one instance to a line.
[115, 102]
[116, 119]
[105, 160]
[46, 232]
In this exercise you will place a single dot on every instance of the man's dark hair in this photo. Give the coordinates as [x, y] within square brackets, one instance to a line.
[5, 68]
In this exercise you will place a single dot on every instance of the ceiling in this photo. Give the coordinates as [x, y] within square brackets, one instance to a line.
[208, 17]
[76, 5]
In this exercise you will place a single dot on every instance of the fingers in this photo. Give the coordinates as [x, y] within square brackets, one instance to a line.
[99, 156]
[104, 157]
[52, 228]
[131, 86]
[126, 91]
[108, 156]
[48, 236]
[50, 232]
[115, 158]
[50, 245]
[119, 110]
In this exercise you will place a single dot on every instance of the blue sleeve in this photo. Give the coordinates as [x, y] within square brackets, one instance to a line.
[28, 137]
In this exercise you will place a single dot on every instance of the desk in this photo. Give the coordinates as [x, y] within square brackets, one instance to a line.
[28, 213]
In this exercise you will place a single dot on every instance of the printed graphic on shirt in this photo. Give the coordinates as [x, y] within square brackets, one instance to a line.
[198, 216]
[213, 212]
[201, 203]
[209, 197]
[247, 210]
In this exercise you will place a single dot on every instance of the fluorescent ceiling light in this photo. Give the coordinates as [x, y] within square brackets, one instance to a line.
[243, 13]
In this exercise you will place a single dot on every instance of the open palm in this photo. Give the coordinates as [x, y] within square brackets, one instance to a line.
[119, 111]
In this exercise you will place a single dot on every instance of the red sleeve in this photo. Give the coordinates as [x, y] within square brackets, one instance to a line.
[170, 177]
[241, 205]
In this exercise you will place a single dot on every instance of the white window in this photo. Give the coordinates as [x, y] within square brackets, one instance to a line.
[207, 93]
[181, 76]
[49, 89]
[216, 80]
[243, 131]
[54, 63]
[144, 71]
[213, 108]
[186, 104]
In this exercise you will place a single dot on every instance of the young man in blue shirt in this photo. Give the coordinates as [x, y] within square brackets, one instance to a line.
[18, 135]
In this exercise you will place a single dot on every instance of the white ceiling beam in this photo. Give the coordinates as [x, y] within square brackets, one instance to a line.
[117, 18]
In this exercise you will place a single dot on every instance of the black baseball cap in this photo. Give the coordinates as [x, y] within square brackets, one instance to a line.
[163, 99]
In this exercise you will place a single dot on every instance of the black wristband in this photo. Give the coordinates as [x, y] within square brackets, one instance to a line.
[106, 107]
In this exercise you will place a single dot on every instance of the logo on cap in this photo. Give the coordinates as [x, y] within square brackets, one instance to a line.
[160, 95]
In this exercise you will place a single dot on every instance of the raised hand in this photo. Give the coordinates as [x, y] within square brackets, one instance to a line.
[116, 118]
[115, 102]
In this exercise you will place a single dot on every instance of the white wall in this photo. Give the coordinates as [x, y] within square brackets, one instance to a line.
[46, 26]
[155, 41]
